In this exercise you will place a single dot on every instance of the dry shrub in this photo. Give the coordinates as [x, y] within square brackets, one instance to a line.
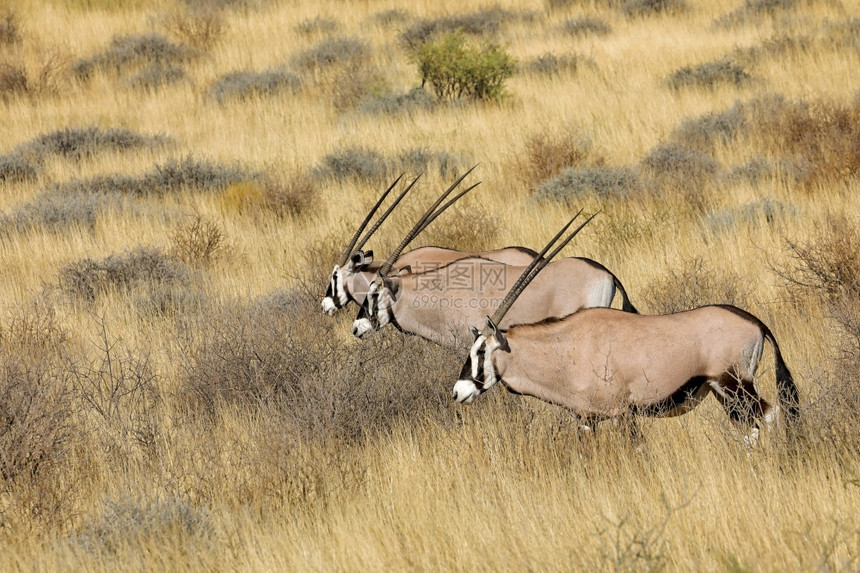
[552, 65]
[586, 25]
[606, 182]
[472, 228]
[279, 354]
[241, 85]
[355, 163]
[770, 210]
[44, 75]
[36, 416]
[484, 23]
[142, 267]
[827, 267]
[10, 28]
[198, 243]
[548, 152]
[317, 25]
[820, 136]
[337, 51]
[129, 527]
[386, 103]
[676, 170]
[349, 87]
[15, 168]
[127, 55]
[198, 25]
[710, 75]
[753, 11]
[692, 285]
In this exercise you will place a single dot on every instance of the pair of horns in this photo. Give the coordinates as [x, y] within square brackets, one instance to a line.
[425, 220]
[531, 271]
[354, 243]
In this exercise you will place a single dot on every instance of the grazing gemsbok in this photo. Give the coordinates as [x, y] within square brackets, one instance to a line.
[601, 363]
[356, 268]
[443, 304]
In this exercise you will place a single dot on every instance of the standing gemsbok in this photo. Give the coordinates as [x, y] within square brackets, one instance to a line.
[441, 305]
[601, 363]
[356, 268]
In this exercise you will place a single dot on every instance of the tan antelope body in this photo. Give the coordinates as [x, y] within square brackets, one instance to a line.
[435, 306]
[350, 282]
[602, 363]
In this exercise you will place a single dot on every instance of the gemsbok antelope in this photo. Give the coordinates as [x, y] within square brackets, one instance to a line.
[601, 363]
[356, 268]
[443, 304]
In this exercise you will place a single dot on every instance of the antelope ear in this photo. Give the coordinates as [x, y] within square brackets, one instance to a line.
[407, 270]
[499, 336]
[368, 257]
[393, 287]
[475, 332]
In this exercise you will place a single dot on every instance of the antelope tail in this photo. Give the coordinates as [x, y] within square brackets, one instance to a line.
[789, 398]
[626, 305]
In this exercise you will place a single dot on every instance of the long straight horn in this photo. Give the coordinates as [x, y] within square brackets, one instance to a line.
[385, 215]
[439, 211]
[419, 226]
[539, 262]
[348, 252]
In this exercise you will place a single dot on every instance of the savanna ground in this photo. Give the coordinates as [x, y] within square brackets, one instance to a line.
[177, 179]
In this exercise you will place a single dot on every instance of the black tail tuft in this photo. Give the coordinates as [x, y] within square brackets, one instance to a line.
[626, 305]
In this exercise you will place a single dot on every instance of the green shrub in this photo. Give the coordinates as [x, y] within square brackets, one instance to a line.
[456, 69]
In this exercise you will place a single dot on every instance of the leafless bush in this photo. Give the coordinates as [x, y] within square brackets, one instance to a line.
[156, 76]
[693, 285]
[276, 352]
[767, 209]
[10, 28]
[52, 212]
[121, 388]
[710, 75]
[702, 132]
[650, 7]
[45, 76]
[85, 142]
[173, 176]
[200, 26]
[242, 85]
[415, 99]
[335, 51]
[586, 25]
[552, 65]
[829, 266]
[547, 153]
[317, 25]
[353, 163]
[605, 182]
[15, 168]
[468, 229]
[423, 159]
[200, 242]
[130, 527]
[753, 11]
[392, 17]
[127, 54]
[679, 166]
[87, 279]
[484, 23]
[35, 393]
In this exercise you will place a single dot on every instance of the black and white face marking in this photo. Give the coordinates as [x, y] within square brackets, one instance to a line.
[336, 296]
[478, 374]
[375, 312]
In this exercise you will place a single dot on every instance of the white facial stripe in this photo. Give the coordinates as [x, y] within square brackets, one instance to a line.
[474, 354]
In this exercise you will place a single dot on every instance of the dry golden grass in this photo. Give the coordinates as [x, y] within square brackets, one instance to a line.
[219, 421]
